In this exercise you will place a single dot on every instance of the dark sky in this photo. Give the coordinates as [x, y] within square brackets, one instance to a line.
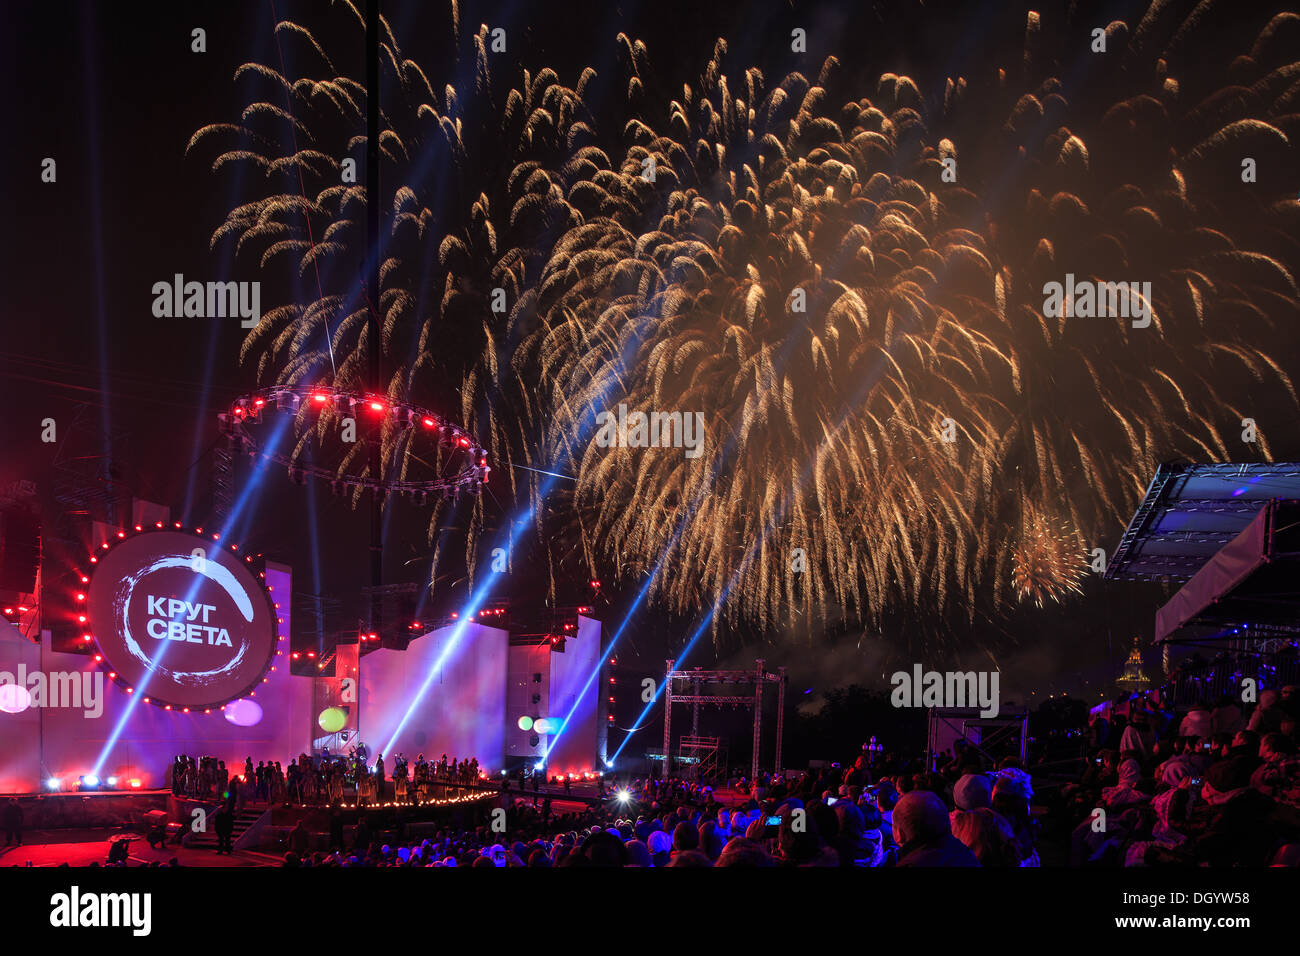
[113, 92]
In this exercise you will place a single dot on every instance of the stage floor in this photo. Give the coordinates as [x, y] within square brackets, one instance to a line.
[82, 847]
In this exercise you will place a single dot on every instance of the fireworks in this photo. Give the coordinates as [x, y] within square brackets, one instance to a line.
[1046, 561]
[473, 182]
[845, 279]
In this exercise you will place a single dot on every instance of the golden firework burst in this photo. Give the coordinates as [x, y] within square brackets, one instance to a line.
[812, 267]
[1047, 560]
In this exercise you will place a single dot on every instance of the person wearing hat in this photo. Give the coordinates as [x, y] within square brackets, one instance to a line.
[1125, 792]
[1011, 796]
[972, 792]
[660, 845]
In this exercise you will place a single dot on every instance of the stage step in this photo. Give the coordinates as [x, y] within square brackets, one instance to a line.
[244, 819]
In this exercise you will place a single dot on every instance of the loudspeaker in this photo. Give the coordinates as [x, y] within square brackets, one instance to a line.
[20, 548]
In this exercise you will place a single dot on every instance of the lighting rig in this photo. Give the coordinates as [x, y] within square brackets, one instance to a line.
[466, 460]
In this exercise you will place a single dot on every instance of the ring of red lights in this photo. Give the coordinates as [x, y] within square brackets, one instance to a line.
[100, 590]
[248, 409]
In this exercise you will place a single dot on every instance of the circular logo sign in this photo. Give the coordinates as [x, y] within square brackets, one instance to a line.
[181, 620]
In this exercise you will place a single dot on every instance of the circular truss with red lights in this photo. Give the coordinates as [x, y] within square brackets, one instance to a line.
[178, 618]
[459, 460]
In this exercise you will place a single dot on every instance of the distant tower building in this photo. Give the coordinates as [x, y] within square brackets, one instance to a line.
[1133, 679]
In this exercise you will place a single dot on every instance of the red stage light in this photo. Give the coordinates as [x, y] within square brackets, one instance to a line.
[376, 406]
[80, 596]
[259, 402]
[464, 442]
[429, 423]
[319, 397]
[85, 580]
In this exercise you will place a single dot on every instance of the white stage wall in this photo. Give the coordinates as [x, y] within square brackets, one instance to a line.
[446, 693]
[41, 743]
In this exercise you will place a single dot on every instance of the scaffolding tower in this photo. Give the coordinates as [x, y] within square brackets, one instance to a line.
[699, 693]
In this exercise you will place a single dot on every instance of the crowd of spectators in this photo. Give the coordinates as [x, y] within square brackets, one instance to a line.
[1159, 786]
[1216, 786]
[1207, 785]
[832, 817]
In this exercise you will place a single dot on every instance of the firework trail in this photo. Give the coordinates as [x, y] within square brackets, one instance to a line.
[768, 200]
[796, 262]
[473, 185]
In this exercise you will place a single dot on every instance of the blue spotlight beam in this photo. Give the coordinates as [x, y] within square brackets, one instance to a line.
[244, 504]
